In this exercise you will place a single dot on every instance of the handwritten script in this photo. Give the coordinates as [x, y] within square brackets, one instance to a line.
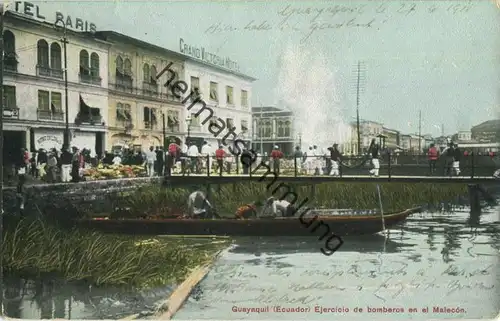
[307, 21]
[385, 280]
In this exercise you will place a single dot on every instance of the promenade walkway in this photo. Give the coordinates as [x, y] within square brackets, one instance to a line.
[227, 178]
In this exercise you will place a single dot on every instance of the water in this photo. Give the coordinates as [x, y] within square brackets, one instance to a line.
[447, 260]
[307, 86]
[34, 300]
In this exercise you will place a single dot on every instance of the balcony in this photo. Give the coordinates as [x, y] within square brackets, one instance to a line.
[92, 80]
[89, 119]
[149, 89]
[120, 123]
[150, 125]
[10, 65]
[11, 112]
[124, 84]
[49, 115]
[49, 72]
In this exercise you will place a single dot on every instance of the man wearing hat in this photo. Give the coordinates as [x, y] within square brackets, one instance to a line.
[335, 159]
[276, 155]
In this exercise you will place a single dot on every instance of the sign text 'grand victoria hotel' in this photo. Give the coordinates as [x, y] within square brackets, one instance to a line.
[202, 54]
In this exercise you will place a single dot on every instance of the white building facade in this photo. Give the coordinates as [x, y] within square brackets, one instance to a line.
[34, 86]
[227, 95]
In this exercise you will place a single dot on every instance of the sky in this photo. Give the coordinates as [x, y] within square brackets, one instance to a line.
[438, 57]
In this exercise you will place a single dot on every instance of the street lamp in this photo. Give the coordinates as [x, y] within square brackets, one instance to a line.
[189, 120]
[67, 134]
[164, 131]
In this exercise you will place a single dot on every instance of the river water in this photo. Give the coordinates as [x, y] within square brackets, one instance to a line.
[448, 261]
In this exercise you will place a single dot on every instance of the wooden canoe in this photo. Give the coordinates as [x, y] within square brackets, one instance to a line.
[341, 225]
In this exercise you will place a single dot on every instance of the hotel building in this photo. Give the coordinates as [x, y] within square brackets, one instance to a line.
[34, 86]
[141, 108]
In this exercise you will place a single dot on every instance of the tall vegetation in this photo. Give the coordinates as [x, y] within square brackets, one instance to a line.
[158, 201]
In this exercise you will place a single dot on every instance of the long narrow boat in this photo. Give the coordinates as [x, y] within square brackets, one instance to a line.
[341, 225]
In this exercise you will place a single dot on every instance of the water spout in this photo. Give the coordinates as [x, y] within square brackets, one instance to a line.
[307, 87]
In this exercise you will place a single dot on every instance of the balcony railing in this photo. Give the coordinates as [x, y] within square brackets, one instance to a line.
[123, 123]
[49, 72]
[88, 79]
[11, 112]
[140, 92]
[150, 125]
[49, 115]
[149, 89]
[10, 66]
[124, 84]
[89, 119]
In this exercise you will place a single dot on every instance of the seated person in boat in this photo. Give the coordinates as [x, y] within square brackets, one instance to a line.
[276, 207]
[198, 206]
[270, 208]
[249, 210]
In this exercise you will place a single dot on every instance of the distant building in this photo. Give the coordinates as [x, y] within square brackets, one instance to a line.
[273, 126]
[486, 132]
[391, 137]
[464, 136]
[351, 147]
[368, 130]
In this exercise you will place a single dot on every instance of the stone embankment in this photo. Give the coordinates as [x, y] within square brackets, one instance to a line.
[92, 195]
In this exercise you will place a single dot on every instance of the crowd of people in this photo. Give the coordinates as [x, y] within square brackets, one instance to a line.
[69, 164]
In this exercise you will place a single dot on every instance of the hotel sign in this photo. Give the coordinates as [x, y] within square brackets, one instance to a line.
[204, 55]
[33, 11]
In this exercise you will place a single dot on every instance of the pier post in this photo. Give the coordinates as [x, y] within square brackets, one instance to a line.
[474, 198]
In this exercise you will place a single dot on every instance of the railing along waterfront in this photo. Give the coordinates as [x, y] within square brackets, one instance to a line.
[469, 166]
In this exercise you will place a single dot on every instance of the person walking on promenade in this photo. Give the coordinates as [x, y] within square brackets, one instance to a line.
[308, 161]
[316, 160]
[206, 151]
[52, 167]
[298, 159]
[66, 160]
[448, 159]
[276, 156]
[172, 155]
[193, 155]
[457, 155]
[335, 157]
[432, 155]
[246, 161]
[160, 161]
[374, 151]
[150, 161]
[220, 153]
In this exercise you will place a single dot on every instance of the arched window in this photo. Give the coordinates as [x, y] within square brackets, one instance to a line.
[55, 56]
[10, 61]
[145, 72]
[127, 68]
[94, 64]
[268, 129]
[42, 53]
[9, 42]
[288, 128]
[152, 72]
[119, 65]
[84, 63]
[281, 128]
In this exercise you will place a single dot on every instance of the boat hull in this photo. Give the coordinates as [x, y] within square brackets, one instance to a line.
[294, 226]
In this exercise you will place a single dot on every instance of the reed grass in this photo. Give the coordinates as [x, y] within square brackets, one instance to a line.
[158, 201]
[33, 249]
